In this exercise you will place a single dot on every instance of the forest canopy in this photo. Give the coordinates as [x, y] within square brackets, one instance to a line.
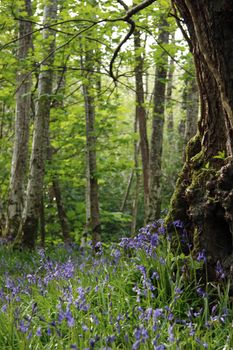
[86, 90]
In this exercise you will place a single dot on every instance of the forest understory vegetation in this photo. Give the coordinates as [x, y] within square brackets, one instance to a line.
[135, 294]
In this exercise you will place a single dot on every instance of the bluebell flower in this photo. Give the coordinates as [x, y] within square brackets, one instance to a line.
[178, 223]
[201, 292]
[136, 345]
[219, 271]
[39, 332]
[171, 336]
[201, 256]
[74, 347]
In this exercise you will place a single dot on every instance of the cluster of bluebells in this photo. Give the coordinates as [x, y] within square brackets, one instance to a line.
[85, 301]
[148, 238]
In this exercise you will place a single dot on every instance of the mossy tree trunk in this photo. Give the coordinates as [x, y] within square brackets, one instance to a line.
[204, 195]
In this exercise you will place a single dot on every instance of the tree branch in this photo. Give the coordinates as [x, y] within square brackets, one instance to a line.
[127, 18]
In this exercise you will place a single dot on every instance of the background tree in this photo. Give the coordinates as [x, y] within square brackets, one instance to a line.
[34, 193]
[22, 120]
[158, 125]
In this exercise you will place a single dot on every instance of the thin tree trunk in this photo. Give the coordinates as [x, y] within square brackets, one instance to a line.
[64, 223]
[169, 88]
[40, 136]
[141, 116]
[22, 119]
[42, 223]
[157, 130]
[137, 183]
[126, 196]
[92, 190]
[61, 210]
[92, 183]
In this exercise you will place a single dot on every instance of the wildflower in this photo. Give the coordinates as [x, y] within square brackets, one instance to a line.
[136, 345]
[84, 328]
[191, 329]
[4, 308]
[157, 313]
[23, 327]
[69, 318]
[178, 224]
[110, 339]
[29, 335]
[155, 275]
[201, 256]
[205, 345]
[154, 240]
[94, 319]
[219, 271]
[201, 292]
[178, 292]
[171, 337]
[74, 346]
[162, 260]
[39, 332]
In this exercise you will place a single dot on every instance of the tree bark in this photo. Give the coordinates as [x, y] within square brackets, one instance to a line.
[56, 188]
[169, 88]
[42, 223]
[92, 189]
[28, 230]
[22, 120]
[203, 199]
[137, 182]
[191, 106]
[141, 116]
[61, 210]
[157, 129]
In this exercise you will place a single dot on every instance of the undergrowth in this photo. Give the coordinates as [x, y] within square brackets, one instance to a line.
[137, 294]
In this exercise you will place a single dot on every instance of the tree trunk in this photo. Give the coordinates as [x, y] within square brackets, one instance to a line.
[142, 118]
[56, 188]
[137, 183]
[203, 199]
[92, 182]
[22, 119]
[128, 187]
[42, 223]
[31, 213]
[191, 106]
[92, 190]
[169, 88]
[61, 210]
[157, 129]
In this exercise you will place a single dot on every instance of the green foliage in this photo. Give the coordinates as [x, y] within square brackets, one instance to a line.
[114, 105]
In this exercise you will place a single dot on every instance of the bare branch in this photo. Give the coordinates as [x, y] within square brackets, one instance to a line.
[122, 3]
[138, 8]
[127, 18]
[179, 21]
[128, 35]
